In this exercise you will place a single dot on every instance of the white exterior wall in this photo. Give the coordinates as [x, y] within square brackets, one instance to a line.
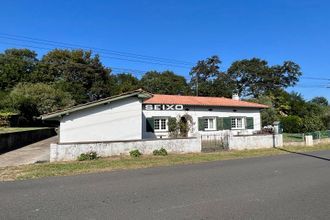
[197, 112]
[118, 120]
[255, 142]
[66, 152]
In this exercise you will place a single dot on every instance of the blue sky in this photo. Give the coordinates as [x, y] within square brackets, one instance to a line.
[184, 30]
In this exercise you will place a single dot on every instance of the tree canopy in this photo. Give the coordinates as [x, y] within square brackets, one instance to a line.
[61, 78]
[166, 82]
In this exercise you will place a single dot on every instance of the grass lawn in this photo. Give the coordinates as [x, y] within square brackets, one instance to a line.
[13, 129]
[125, 162]
[287, 137]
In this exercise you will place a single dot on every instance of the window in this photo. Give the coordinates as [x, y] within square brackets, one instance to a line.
[237, 123]
[160, 124]
[209, 123]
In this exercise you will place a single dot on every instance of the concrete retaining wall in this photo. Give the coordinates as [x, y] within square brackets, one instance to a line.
[255, 142]
[70, 151]
[14, 140]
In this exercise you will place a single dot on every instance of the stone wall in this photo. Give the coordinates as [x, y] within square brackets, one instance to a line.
[14, 140]
[255, 141]
[70, 151]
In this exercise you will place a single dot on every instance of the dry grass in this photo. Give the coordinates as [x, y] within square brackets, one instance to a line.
[17, 129]
[116, 163]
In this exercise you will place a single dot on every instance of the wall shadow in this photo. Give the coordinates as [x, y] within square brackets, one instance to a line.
[303, 154]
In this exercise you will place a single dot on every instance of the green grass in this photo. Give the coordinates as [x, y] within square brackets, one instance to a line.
[287, 137]
[125, 162]
[18, 129]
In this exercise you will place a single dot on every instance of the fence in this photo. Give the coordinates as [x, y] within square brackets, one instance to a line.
[300, 137]
[214, 142]
[70, 151]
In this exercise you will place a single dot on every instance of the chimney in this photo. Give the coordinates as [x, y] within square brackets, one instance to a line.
[235, 96]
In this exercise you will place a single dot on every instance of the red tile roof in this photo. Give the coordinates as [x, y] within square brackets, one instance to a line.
[200, 101]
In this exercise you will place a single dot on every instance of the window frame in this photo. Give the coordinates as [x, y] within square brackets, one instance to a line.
[160, 124]
[236, 123]
[208, 123]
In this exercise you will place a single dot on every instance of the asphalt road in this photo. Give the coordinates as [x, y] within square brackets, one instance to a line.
[279, 187]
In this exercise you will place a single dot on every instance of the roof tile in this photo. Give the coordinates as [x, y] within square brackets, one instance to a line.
[200, 101]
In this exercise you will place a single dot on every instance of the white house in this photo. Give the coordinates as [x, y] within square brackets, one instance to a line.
[140, 115]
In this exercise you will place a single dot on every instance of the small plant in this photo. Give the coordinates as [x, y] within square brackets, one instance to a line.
[88, 156]
[160, 152]
[135, 153]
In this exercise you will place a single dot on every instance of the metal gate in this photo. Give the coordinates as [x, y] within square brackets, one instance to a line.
[214, 142]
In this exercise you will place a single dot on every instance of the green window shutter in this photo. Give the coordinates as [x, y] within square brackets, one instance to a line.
[150, 124]
[249, 123]
[201, 124]
[227, 123]
[219, 123]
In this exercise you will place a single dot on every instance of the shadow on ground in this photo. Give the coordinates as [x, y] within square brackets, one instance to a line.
[303, 154]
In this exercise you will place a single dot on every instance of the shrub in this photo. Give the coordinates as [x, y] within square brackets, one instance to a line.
[88, 156]
[160, 152]
[312, 123]
[135, 153]
[292, 124]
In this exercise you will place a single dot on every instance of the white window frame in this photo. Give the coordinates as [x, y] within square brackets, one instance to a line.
[208, 123]
[234, 126]
[160, 129]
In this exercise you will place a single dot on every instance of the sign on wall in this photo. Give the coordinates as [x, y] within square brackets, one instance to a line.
[163, 107]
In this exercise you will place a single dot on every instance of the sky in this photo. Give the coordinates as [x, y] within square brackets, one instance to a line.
[183, 32]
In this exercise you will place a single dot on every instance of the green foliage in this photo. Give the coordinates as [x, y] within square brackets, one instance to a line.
[322, 101]
[88, 156]
[254, 77]
[207, 80]
[160, 152]
[179, 128]
[38, 98]
[135, 153]
[292, 124]
[312, 123]
[268, 115]
[173, 127]
[165, 82]
[77, 72]
[16, 65]
[124, 82]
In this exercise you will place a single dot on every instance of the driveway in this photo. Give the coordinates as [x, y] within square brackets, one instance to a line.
[32, 153]
[293, 186]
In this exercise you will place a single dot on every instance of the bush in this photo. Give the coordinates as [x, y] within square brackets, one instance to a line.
[88, 156]
[292, 124]
[160, 152]
[135, 153]
[313, 123]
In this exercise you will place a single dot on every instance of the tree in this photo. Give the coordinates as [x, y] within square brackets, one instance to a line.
[320, 101]
[124, 82]
[203, 73]
[255, 77]
[208, 80]
[292, 124]
[268, 115]
[16, 65]
[33, 99]
[77, 72]
[165, 82]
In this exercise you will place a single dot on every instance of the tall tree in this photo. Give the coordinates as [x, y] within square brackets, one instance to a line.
[16, 65]
[124, 82]
[320, 101]
[208, 80]
[255, 77]
[77, 72]
[165, 82]
[203, 73]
